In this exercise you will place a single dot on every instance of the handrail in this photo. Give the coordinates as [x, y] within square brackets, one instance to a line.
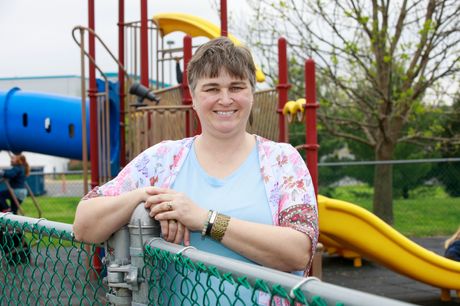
[82, 28]
[105, 124]
[37, 224]
[162, 90]
[311, 286]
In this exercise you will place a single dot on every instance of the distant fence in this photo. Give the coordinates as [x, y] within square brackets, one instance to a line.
[408, 175]
[42, 264]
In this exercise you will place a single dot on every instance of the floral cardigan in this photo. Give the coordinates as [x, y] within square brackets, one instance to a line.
[288, 184]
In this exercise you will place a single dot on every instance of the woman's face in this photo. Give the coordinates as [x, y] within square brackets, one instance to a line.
[14, 160]
[223, 104]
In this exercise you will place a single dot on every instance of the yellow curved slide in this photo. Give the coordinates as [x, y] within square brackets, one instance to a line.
[363, 232]
[195, 27]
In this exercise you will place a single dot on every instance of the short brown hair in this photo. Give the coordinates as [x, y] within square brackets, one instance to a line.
[219, 53]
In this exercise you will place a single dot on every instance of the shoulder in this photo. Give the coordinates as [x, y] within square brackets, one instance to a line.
[455, 245]
[166, 149]
[283, 153]
[14, 170]
[273, 145]
[164, 157]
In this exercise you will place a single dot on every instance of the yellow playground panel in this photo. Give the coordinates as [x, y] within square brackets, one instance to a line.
[356, 229]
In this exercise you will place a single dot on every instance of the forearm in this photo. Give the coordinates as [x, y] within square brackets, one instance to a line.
[97, 218]
[281, 248]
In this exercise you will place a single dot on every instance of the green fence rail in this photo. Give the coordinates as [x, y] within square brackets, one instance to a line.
[42, 264]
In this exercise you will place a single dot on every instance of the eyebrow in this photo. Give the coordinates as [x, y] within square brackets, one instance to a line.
[210, 85]
[233, 83]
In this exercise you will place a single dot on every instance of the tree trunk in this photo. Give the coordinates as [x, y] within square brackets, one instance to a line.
[383, 186]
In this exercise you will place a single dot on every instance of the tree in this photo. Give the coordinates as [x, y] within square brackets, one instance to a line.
[449, 173]
[381, 57]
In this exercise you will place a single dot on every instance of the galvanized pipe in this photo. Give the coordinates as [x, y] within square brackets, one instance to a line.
[38, 224]
[332, 294]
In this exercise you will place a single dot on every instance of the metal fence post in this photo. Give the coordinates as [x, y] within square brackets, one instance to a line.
[118, 261]
[125, 259]
[142, 228]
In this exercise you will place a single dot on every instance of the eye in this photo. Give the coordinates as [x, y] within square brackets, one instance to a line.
[236, 88]
[211, 89]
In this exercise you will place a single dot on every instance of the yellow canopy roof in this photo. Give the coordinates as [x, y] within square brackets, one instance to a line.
[195, 27]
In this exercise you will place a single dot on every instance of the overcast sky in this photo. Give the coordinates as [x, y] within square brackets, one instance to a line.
[36, 38]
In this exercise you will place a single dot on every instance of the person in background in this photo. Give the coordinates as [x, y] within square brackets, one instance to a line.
[16, 176]
[179, 75]
[224, 191]
[452, 246]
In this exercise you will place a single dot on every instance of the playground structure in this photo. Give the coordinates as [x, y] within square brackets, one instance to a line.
[144, 125]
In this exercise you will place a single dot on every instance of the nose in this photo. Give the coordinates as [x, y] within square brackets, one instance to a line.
[225, 98]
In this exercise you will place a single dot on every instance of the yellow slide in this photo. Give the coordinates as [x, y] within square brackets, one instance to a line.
[195, 27]
[362, 232]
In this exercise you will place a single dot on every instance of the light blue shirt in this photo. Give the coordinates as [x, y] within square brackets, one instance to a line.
[240, 195]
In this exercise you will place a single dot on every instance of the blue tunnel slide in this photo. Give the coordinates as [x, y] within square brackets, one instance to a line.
[51, 124]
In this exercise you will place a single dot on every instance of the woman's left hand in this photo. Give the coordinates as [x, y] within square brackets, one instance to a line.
[175, 232]
[167, 204]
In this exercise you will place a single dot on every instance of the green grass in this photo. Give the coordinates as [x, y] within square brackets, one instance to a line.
[53, 209]
[429, 211]
[74, 177]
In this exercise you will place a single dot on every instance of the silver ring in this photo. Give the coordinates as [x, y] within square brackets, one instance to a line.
[169, 205]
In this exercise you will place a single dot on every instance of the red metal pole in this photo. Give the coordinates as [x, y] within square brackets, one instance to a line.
[283, 88]
[94, 149]
[121, 78]
[311, 139]
[94, 145]
[223, 18]
[186, 96]
[144, 45]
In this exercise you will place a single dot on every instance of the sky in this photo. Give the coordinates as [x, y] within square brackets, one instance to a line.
[36, 38]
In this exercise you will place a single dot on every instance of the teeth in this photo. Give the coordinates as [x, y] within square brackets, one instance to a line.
[225, 113]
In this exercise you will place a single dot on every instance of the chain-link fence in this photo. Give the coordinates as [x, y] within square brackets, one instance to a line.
[435, 177]
[409, 177]
[426, 192]
[42, 264]
[57, 184]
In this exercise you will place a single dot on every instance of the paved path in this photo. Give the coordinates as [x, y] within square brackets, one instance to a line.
[376, 279]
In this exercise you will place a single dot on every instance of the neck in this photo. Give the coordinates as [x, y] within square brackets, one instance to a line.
[221, 157]
[225, 146]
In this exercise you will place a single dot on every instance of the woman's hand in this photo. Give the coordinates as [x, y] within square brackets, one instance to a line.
[175, 232]
[167, 204]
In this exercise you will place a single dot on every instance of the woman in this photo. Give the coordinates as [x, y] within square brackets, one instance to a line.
[452, 246]
[247, 196]
[17, 178]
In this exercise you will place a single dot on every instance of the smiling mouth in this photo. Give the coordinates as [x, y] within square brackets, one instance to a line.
[225, 113]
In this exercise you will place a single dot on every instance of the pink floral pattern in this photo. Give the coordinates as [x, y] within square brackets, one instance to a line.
[288, 184]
